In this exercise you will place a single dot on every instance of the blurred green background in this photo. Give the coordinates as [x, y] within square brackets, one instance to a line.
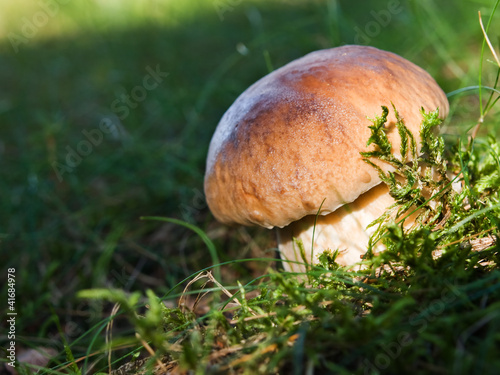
[89, 143]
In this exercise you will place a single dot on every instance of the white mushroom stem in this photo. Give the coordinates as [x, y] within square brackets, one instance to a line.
[344, 229]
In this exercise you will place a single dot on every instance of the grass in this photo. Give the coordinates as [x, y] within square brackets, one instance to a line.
[85, 232]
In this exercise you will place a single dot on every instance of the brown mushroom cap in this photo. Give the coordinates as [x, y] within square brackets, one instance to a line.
[291, 142]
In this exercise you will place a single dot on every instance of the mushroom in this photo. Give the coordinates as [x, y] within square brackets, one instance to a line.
[289, 148]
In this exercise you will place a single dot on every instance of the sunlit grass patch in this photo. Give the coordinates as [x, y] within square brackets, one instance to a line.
[38, 20]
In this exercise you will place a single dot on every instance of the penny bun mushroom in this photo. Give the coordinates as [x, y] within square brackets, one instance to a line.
[289, 148]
